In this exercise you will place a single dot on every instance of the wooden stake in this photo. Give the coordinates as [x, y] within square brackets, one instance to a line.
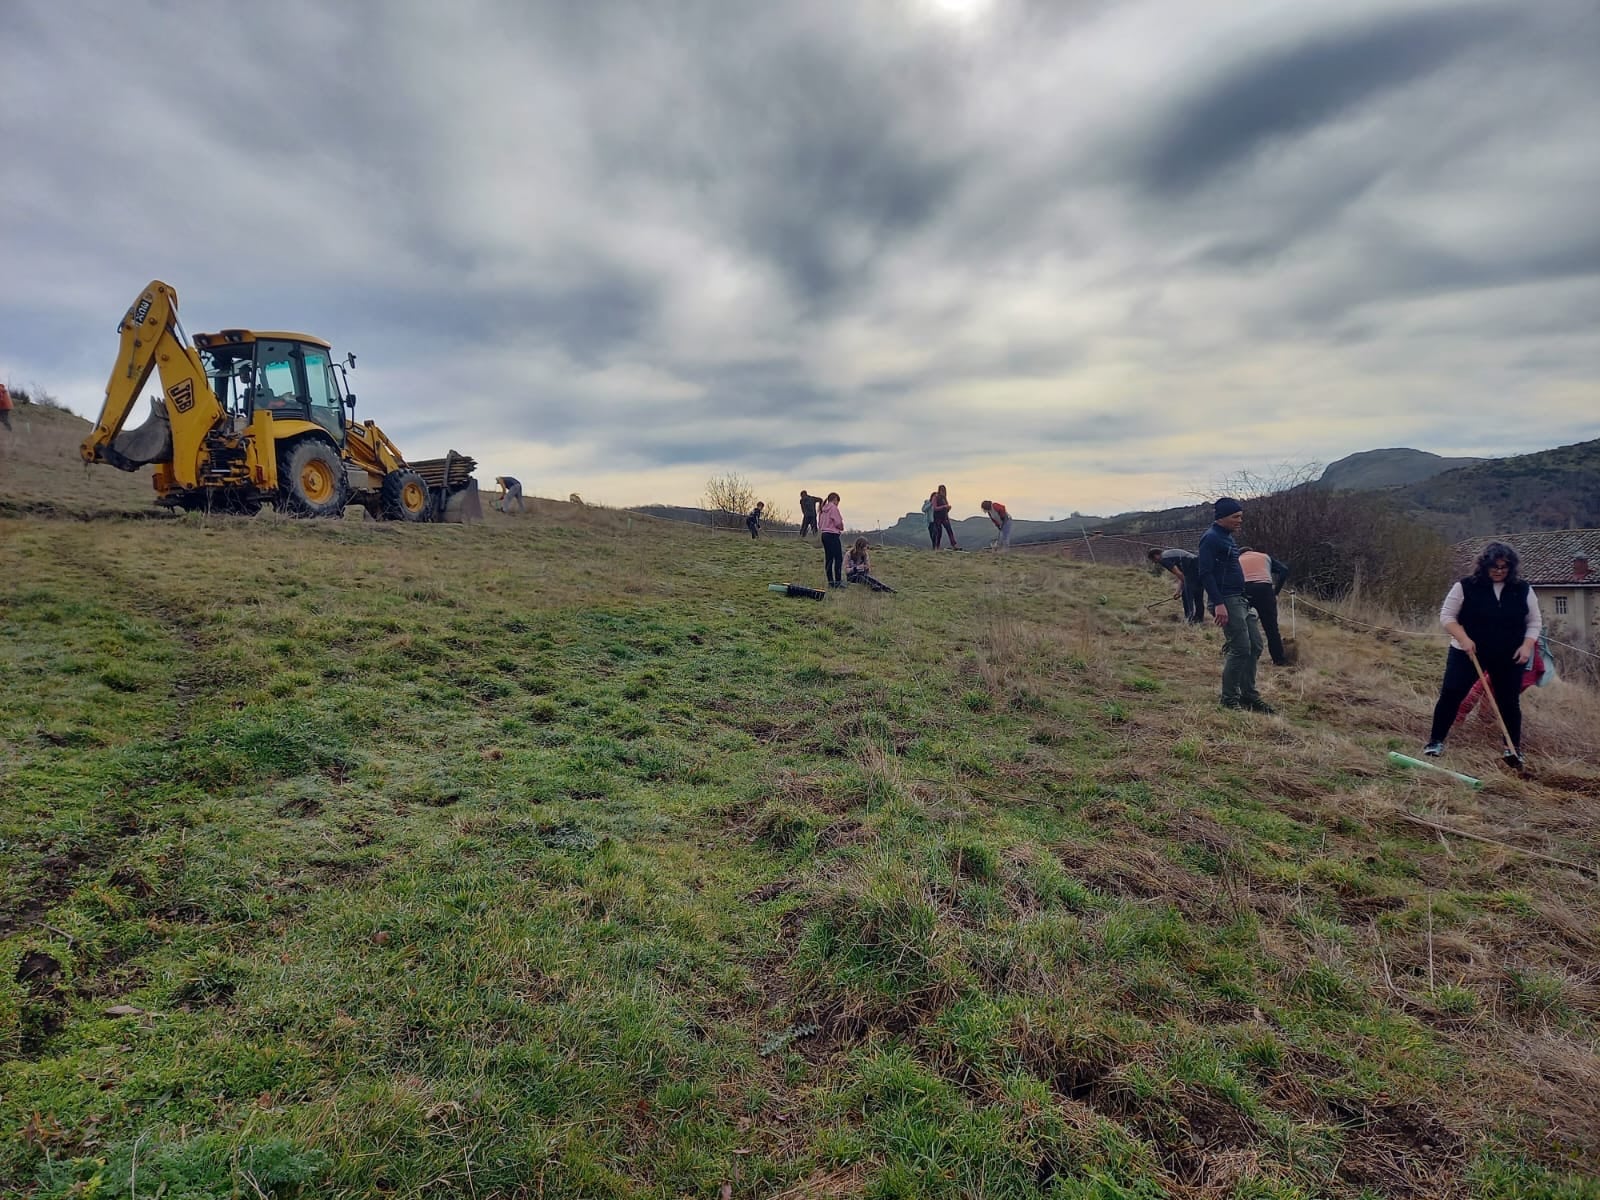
[1478, 837]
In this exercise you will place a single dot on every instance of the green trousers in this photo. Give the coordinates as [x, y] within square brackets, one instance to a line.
[1241, 648]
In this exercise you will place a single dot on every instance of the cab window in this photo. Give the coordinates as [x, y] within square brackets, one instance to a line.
[323, 393]
[276, 387]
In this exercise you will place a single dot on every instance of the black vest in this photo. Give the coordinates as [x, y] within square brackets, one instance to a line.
[1497, 626]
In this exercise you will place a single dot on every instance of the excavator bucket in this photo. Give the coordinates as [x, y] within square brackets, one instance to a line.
[151, 442]
[462, 507]
[454, 490]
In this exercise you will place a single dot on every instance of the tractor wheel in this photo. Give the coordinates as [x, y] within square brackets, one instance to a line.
[404, 496]
[311, 480]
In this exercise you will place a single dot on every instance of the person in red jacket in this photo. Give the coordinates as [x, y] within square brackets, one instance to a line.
[1002, 520]
[5, 406]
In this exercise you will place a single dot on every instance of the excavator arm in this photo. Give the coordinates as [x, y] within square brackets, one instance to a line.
[153, 341]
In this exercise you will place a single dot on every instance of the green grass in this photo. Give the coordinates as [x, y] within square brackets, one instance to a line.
[561, 858]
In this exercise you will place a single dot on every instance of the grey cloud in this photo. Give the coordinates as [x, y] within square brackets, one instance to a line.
[1303, 86]
[759, 236]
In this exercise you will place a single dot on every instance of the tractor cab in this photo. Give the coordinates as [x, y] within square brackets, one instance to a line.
[290, 375]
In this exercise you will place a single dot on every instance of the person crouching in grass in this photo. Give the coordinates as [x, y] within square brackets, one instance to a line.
[858, 567]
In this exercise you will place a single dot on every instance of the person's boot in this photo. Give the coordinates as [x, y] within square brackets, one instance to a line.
[1433, 749]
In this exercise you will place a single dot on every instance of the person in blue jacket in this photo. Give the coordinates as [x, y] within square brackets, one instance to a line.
[1223, 580]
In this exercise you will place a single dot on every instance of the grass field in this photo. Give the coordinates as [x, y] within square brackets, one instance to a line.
[557, 857]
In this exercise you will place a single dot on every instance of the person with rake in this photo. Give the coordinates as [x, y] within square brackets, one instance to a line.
[1493, 620]
[1184, 567]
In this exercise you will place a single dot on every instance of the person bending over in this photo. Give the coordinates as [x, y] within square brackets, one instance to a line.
[1002, 520]
[1264, 577]
[510, 489]
[1184, 567]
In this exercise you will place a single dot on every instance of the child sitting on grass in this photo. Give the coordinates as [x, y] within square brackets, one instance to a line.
[857, 568]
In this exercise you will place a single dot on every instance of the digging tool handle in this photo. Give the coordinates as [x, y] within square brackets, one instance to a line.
[1405, 760]
[1494, 706]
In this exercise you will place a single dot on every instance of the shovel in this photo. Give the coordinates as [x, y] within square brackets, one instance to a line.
[1511, 755]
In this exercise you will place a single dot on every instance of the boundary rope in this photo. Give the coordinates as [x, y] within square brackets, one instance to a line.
[1294, 599]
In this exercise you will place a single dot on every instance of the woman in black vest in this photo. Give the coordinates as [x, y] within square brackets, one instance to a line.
[1495, 614]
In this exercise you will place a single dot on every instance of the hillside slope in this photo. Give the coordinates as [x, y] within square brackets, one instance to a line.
[1387, 468]
[1553, 489]
[564, 856]
[41, 470]
[559, 856]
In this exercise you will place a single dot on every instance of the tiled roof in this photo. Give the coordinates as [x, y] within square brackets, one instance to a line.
[1546, 556]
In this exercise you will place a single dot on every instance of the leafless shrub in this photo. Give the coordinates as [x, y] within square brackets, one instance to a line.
[34, 395]
[729, 499]
[1343, 544]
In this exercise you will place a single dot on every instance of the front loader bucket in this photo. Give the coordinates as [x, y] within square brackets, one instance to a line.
[462, 507]
[151, 442]
[454, 490]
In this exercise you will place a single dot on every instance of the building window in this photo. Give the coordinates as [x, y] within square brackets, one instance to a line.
[1561, 606]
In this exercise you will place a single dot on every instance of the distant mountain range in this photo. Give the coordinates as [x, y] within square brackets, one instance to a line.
[1387, 468]
[1553, 489]
[1460, 497]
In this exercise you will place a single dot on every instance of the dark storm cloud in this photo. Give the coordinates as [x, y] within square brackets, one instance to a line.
[1295, 89]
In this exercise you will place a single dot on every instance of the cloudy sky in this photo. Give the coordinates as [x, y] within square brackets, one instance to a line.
[1074, 254]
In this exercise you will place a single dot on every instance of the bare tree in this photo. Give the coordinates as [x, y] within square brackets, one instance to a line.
[729, 499]
[1341, 543]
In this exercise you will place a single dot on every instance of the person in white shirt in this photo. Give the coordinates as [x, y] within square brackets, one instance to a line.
[1495, 615]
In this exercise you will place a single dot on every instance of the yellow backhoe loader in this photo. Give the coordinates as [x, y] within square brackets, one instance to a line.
[248, 418]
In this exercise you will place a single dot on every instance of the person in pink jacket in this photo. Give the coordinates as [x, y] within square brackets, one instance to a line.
[831, 525]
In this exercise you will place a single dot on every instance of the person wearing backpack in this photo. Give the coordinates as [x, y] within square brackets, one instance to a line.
[927, 512]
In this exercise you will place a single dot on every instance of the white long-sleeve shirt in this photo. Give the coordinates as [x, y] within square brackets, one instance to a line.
[1451, 610]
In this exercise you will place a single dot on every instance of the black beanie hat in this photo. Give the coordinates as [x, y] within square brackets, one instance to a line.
[1227, 506]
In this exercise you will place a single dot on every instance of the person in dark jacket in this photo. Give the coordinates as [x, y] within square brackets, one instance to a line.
[941, 517]
[753, 521]
[808, 512]
[1495, 615]
[1184, 567]
[1224, 583]
[1264, 577]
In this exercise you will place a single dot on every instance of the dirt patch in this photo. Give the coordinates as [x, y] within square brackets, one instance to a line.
[769, 891]
[1141, 872]
[45, 1012]
[1400, 1150]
